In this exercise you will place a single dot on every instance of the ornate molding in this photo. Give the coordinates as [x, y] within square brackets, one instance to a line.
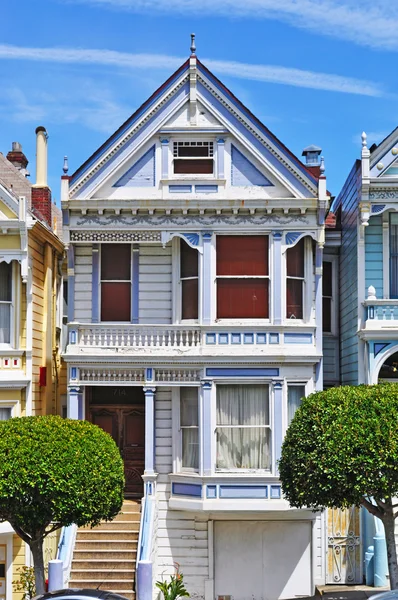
[178, 375]
[115, 236]
[112, 376]
[192, 239]
[384, 195]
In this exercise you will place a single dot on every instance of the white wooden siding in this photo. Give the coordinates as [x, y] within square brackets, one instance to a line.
[155, 284]
[83, 283]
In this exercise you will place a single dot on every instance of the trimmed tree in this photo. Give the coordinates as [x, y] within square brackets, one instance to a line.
[55, 472]
[341, 449]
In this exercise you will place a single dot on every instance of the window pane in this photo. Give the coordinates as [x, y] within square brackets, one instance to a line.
[294, 289]
[189, 299]
[189, 407]
[5, 325]
[327, 279]
[5, 414]
[116, 262]
[115, 301]
[294, 395]
[5, 282]
[242, 255]
[295, 260]
[189, 260]
[242, 405]
[193, 151]
[186, 167]
[243, 448]
[242, 298]
[327, 315]
[190, 448]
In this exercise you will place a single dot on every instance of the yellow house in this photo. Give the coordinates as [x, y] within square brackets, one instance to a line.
[31, 256]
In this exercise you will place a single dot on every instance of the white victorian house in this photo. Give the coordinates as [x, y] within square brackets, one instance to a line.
[195, 242]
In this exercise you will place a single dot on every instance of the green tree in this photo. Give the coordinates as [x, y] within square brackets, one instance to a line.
[341, 449]
[55, 472]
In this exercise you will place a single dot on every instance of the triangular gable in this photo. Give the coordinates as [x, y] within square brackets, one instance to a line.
[392, 170]
[9, 205]
[243, 172]
[383, 156]
[141, 174]
[182, 118]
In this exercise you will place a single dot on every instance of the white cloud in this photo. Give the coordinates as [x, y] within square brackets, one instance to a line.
[372, 23]
[266, 73]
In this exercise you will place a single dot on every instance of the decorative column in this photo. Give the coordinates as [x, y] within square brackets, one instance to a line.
[149, 430]
[165, 158]
[278, 425]
[74, 408]
[95, 281]
[277, 302]
[220, 158]
[207, 428]
[135, 284]
[71, 284]
[318, 316]
[207, 278]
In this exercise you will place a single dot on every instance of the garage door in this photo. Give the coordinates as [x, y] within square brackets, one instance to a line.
[260, 560]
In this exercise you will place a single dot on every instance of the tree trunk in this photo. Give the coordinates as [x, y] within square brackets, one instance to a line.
[36, 547]
[389, 528]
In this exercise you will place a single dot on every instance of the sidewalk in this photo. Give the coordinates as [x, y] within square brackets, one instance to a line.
[347, 592]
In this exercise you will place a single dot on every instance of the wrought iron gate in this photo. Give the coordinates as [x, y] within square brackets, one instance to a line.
[344, 563]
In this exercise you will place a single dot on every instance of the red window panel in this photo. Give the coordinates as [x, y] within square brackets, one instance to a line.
[242, 299]
[242, 255]
[115, 262]
[295, 260]
[191, 166]
[294, 292]
[116, 301]
[189, 299]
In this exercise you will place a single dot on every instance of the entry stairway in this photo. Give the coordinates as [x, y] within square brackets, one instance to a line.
[106, 555]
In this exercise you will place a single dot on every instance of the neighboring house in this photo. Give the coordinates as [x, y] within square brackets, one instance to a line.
[195, 242]
[31, 256]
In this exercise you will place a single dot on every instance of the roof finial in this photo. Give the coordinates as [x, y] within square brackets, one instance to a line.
[65, 168]
[364, 139]
[322, 166]
[193, 46]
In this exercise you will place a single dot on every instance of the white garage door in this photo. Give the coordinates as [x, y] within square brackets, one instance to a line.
[262, 560]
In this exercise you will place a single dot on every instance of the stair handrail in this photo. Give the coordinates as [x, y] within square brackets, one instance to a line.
[145, 539]
[65, 549]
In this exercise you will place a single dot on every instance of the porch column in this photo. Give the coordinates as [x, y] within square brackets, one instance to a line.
[278, 432]
[74, 407]
[95, 279]
[207, 278]
[207, 428]
[149, 430]
[71, 283]
[277, 302]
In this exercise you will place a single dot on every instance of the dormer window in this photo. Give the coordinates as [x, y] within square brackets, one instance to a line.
[193, 158]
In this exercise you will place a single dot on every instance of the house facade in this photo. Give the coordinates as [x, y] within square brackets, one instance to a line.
[31, 378]
[195, 241]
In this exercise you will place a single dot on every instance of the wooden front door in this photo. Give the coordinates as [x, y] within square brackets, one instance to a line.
[126, 424]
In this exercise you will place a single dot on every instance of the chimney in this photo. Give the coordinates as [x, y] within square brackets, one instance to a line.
[17, 158]
[313, 159]
[41, 193]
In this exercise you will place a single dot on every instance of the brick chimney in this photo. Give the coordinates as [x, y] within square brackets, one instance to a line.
[17, 158]
[41, 193]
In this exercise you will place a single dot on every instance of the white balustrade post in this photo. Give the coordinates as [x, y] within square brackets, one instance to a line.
[149, 430]
[207, 278]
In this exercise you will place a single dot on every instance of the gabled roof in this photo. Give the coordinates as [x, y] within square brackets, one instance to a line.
[98, 160]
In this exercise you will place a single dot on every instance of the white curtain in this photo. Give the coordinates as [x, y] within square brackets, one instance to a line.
[189, 423]
[294, 395]
[5, 414]
[394, 256]
[243, 434]
[5, 302]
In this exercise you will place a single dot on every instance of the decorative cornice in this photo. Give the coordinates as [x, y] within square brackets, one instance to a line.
[384, 195]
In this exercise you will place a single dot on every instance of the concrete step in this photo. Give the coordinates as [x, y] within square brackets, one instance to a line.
[108, 584]
[103, 574]
[103, 535]
[133, 525]
[105, 544]
[105, 555]
[99, 563]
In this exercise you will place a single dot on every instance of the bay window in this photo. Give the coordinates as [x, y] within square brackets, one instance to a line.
[189, 426]
[243, 427]
[189, 281]
[295, 280]
[5, 302]
[242, 277]
[116, 282]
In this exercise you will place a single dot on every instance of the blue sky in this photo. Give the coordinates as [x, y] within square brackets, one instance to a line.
[314, 71]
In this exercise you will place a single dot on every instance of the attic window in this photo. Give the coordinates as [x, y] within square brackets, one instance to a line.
[193, 158]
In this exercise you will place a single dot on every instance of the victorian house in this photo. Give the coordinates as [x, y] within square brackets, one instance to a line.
[194, 291]
[31, 256]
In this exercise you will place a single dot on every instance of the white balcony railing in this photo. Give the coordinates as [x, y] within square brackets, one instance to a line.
[380, 313]
[135, 336]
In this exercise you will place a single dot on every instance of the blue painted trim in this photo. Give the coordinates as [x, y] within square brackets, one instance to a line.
[95, 282]
[261, 338]
[73, 373]
[193, 238]
[135, 285]
[211, 338]
[298, 338]
[292, 236]
[180, 189]
[248, 338]
[186, 489]
[129, 176]
[206, 189]
[211, 491]
[377, 348]
[243, 491]
[71, 284]
[165, 157]
[80, 406]
[223, 338]
[275, 492]
[236, 338]
[252, 176]
[220, 158]
[274, 338]
[149, 374]
[73, 337]
[242, 372]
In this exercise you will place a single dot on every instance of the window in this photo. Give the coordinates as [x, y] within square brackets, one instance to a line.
[189, 425]
[243, 427]
[394, 255]
[189, 281]
[193, 158]
[242, 277]
[5, 302]
[295, 281]
[327, 297]
[115, 282]
[294, 395]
